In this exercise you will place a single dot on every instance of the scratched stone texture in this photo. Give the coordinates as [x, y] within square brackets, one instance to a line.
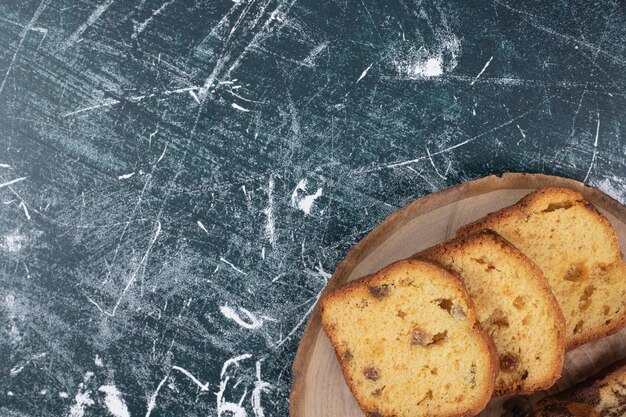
[179, 178]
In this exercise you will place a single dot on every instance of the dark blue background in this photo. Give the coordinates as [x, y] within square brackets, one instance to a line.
[264, 138]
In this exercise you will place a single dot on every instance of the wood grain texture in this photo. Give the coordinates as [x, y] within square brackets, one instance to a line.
[319, 389]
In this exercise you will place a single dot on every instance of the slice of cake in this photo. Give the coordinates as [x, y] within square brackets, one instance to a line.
[409, 344]
[602, 395]
[578, 251]
[514, 305]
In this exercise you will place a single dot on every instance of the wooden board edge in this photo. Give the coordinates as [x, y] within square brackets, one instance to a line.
[393, 222]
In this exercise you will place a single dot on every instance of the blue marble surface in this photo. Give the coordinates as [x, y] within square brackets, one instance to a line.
[178, 179]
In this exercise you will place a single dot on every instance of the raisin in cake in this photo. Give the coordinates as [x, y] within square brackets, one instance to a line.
[409, 344]
[578, 251]
[514, 305]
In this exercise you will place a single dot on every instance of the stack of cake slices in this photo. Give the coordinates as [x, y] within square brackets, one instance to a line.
[488, 313]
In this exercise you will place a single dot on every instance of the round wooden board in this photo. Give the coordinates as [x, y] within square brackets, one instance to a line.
[319, 389]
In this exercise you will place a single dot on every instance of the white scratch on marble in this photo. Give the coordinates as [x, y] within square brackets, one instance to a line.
[23, 34]
[142, 26]
[450, 148]
[230, 313]
[309, 61]
[233, 361]
[162, 154]
[100, 309]
[504, 81]
[105, 103]
[34, 28]
[203, 387]
[595, 150]
[270, 231]
[232, 266]
[6, 184]
[276, 15]
[482, 70]
[364, 73]
[142, 263]
[19, 368]
[25, 209]
[260, 386]
[223, 406]
[577, 112]
[194, 96]
[238, 107]
[169, 92]
[153, 397]
[432, 162]
[133, 99]
[325, 276]
[95, 15]
[125, 176]
[135, 273]
[16, 370]
[152, 135]
[201, 226]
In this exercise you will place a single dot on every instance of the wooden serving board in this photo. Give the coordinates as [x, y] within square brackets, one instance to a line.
[319, 389]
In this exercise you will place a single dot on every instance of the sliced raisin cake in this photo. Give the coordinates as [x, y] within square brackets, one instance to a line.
[409, 343]
[514, 305]
[577, 249]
